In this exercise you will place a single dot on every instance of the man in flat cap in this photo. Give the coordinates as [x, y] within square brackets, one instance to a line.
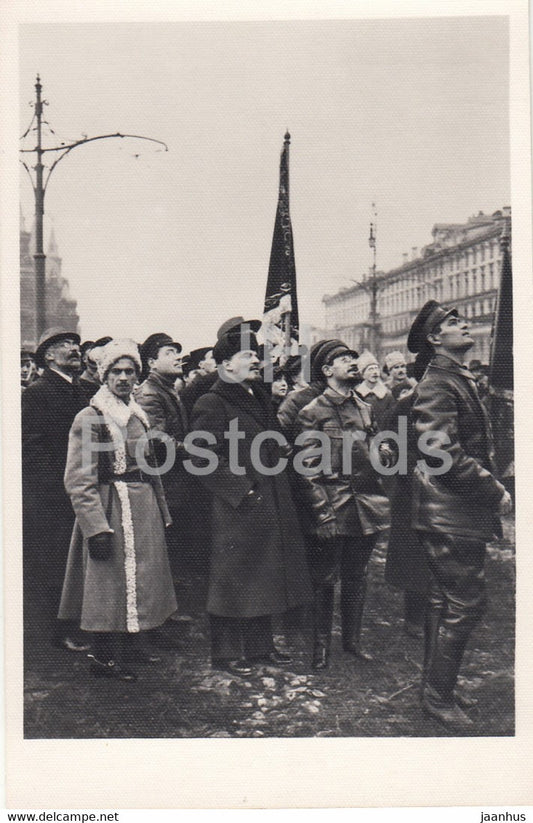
[202, 363]
[49, 405]
[258, 566]
[89, 380]
[157, 396]
[457, 500]
[343, 505]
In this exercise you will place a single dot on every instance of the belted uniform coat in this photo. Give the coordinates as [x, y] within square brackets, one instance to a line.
[258, 563]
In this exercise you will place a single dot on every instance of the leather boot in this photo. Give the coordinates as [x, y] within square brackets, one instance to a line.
[431, 633]
[322, 624]
[438, 696]
[353, 595]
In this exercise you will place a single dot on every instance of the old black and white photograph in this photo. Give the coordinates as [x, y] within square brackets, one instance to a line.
[266, 438]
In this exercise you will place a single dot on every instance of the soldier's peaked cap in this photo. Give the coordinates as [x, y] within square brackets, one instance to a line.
[324, 354]
[430, 315]
[154, 342]
[233, 325]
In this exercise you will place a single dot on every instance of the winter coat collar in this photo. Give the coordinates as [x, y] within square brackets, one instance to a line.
[440, 361]
[379, 390]
[338, 399]
[255, 404]
[120, 413]
[160, 382]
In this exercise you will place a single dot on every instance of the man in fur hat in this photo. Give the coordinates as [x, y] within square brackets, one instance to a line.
[258, 566]
[372, 389]
[457, 501]
[49, 405]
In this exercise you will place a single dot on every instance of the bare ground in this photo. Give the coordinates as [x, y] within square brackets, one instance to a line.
[182, 697]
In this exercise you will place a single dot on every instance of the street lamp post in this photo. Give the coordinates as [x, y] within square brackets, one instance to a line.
[372, 288]
[39, 189]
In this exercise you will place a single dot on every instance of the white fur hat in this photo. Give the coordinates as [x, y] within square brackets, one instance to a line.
[394, 358]
[365, 360]
[113, 351]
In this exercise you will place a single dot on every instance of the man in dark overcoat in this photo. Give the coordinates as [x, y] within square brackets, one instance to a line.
[456, 501]
[49, 405]
[258, 565]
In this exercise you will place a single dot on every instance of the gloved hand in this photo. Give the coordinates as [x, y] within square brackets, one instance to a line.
[327, 530]
[100, 546]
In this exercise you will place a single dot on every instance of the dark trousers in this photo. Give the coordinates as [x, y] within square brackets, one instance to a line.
[344, 556]
[233, 638]
[456, 603]
[46, 540]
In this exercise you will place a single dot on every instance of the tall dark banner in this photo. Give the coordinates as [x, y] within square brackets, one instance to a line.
[501, 364]
[280, 321]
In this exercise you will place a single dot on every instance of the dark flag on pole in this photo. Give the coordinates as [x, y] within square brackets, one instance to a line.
[280, 320]
[501, 363]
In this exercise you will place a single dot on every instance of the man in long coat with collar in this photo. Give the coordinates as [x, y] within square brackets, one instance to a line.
[258, 565]
[456, 501]
[49, 405]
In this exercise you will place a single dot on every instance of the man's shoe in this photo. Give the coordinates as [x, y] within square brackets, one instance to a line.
[70, 644]
[450, 715]
[275, 658]
[353, 648]
[239, 667]
[110, 669]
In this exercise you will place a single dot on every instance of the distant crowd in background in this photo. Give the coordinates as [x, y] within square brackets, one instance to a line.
[105, 540]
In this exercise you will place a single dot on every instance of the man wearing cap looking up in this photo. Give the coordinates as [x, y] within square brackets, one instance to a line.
[344, 505]
[202, 363]
[89, 380]
[456, 502]
[258, 565]
[157, 396]
[49, 406]
[27, 368]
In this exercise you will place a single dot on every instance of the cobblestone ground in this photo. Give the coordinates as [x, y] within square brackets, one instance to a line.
[182, 697]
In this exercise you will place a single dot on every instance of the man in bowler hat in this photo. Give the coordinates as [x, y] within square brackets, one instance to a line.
[49, 405]
[456, 501]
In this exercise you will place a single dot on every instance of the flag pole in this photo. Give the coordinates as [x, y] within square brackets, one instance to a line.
[287, 316]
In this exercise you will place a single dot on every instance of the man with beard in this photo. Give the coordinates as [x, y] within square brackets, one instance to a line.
[457, 500]
[343, 501]
[258, 565]
[49, 405]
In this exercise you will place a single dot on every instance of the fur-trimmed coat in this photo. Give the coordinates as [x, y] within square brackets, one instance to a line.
[133, 590]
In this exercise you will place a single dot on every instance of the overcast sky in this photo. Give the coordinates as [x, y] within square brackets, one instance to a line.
[410, 114]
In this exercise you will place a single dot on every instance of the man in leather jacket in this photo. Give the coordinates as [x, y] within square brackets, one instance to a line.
[456, 501]
[343, 507]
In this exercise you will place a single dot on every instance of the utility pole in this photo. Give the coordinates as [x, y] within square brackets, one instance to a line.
[39, 185]
[372, 288]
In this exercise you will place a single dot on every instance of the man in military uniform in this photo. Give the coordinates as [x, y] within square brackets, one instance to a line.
[455, 501]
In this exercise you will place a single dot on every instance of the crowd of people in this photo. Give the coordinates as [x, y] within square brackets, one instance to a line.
[276, 477]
